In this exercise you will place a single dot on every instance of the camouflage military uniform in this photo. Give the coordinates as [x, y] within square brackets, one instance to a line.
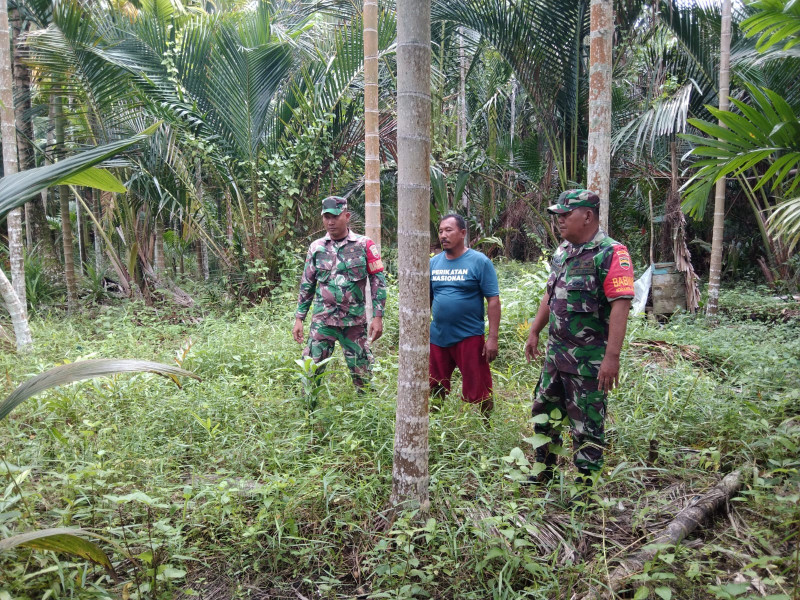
[334, 278]
[583, 282]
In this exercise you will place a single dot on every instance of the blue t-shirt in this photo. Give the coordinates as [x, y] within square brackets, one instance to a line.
[458, 288]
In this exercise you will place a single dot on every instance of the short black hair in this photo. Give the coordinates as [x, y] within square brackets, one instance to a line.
[596, 212]
[462, 224]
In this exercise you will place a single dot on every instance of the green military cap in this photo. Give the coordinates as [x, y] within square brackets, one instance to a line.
[572, 199]
[334, 205]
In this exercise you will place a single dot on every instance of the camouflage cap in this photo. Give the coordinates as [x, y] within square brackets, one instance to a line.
[572, 199]
[334, 205]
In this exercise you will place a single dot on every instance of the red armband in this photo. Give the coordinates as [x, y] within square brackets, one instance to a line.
[374, 262]
[619, 280]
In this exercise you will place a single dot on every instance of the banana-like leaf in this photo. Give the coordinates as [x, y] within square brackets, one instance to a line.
[99, 179]
[85, 369]
[18, 188]
[61, 539]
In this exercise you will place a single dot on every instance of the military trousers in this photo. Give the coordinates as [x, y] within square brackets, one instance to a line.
[559, 394]
[355, 347]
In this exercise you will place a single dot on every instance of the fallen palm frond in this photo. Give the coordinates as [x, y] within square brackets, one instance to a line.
[85, 369]
[672, 352]
[62, 539]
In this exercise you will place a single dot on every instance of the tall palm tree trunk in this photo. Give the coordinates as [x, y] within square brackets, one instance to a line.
[96, 238]
[599, 155]
[37, 230]
[462, 90]
[22, 102]
[410, 467]
[719, 193]
[160, 264]
[19, 321]
[66, 224]
[9, 137]
[372, 166]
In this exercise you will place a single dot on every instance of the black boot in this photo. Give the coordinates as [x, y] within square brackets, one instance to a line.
[549, 461]
[584, 479]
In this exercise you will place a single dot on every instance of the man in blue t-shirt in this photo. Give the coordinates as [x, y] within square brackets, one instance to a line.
[460, 279]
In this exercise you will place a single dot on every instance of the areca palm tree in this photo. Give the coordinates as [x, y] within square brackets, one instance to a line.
[410, 465]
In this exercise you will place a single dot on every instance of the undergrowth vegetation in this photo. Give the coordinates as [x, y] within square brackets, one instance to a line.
[233, 487]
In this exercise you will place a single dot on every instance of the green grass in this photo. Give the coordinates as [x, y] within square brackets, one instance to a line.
[231, 486]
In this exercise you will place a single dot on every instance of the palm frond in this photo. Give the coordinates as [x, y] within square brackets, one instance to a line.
[784, 222]
[16, 189]
[666, 116]
[85, 369]
[766, 133]
[776, 22]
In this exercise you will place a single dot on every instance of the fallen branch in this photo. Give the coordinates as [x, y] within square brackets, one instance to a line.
[682, 525]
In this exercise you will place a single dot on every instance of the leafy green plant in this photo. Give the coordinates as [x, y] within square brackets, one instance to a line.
[311, 376]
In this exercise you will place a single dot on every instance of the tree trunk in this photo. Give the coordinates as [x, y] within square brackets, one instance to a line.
[372, 166]
[672, 209]
[9, 137]
[35, 210]
[66, 224]
[228, 218]
[22, 102]
[462, 91]
[513, 114]
[410, 467]
[719, 192]
[160, 265]
[202, 256]
[81, 226]
[598, 175]
[204, 259]
[18, 319]
[98, 243]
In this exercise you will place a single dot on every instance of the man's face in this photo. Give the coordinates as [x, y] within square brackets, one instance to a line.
[572, 225]
[450, 236]
[336, 225]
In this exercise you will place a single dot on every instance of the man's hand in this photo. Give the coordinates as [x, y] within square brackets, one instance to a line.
[532, 346]
[490, 348]
[608, 376]
[297, 331]
[375, 328]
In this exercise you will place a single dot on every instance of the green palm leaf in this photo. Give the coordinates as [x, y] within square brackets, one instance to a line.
[16, 189]
[768, 132]
[777, 22]
[85, 369]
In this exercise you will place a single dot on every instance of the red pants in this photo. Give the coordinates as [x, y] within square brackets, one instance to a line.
[467, 355]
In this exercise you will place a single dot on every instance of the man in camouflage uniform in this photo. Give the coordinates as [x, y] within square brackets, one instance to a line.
[335, 278]
[586, 304]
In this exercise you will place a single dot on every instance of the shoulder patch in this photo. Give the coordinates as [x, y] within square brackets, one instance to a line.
[374, 262]
[623, 257]
[619, 279]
